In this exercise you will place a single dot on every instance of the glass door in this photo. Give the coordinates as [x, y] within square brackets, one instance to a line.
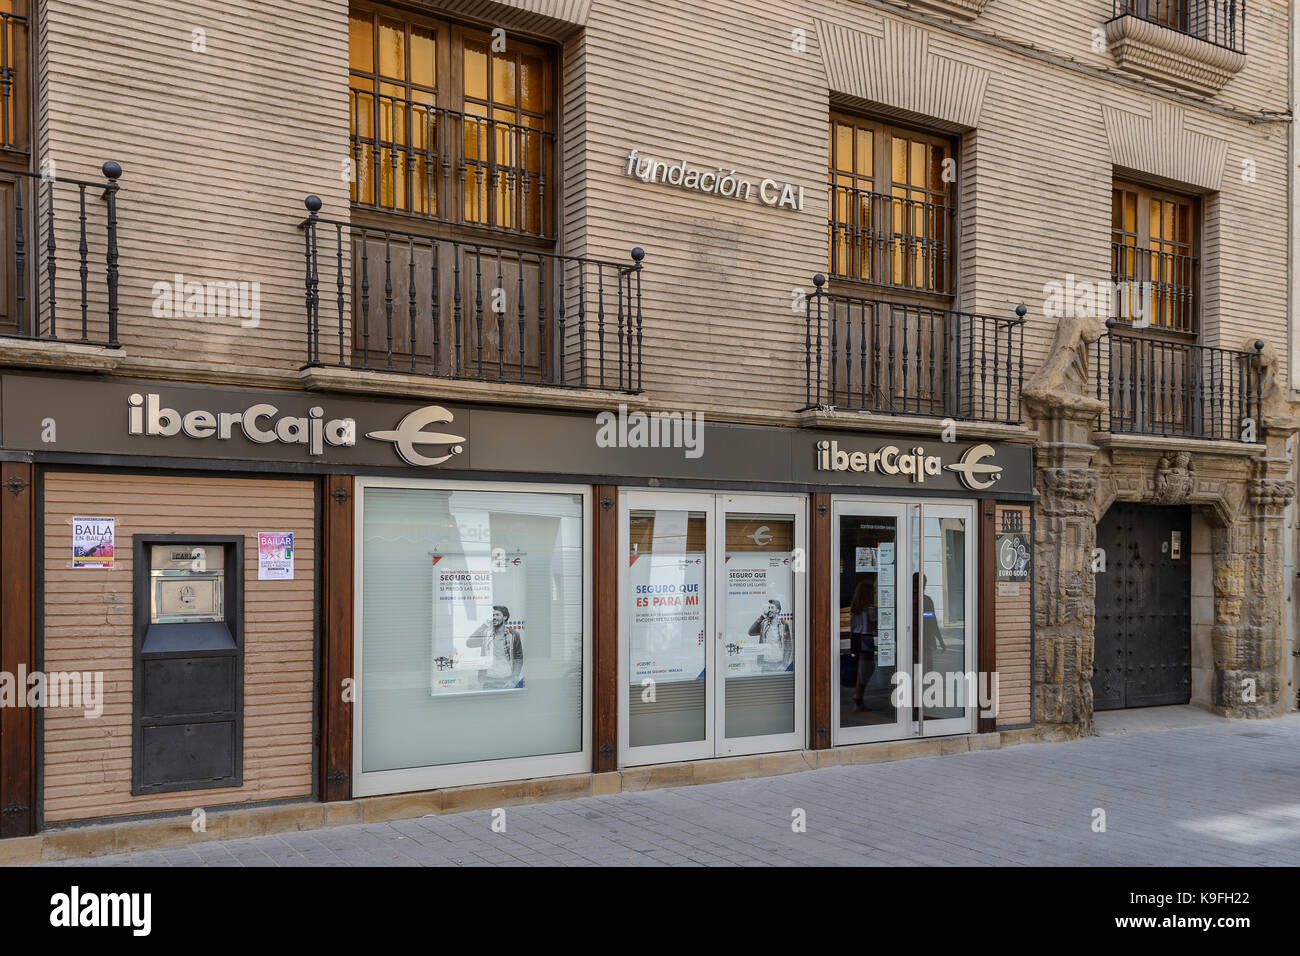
[943, 618]
[870, 589]
[666, 624]
[903, 620]
[711, 625]
[760, 674]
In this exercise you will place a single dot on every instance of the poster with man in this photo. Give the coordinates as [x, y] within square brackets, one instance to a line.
[759, 637]
[478, 623]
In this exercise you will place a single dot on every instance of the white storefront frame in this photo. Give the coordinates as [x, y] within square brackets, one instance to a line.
[376, 782]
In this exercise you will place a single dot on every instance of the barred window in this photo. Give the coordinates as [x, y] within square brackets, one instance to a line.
[1154, 261]
[891, 206]
[451, 123]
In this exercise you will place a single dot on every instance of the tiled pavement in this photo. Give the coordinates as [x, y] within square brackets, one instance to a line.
[1227, 793]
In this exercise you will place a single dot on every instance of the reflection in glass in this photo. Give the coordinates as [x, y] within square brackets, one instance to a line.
[667, 570]
[942, 613]
[868, 625]
[758, 650]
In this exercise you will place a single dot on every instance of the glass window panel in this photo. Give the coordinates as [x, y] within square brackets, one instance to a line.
[363, 116]
[917, 170]
[392, 49]
[844, 147]
[1130, 212]
[868, 619]
[942, 611]
[532, 93]
[668, 580]
[463, 659]
[503, 79]
[392, 113]
[866, 159]
[361, 43]
[476, 70]
[759, 632]
[900, 160]
[423, 57]
[937, 155]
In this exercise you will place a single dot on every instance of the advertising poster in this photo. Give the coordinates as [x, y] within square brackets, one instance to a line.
[865, 559]
[93, 542]
[1013, 557]
[885, 595]
[885, 648]
[886, 554]
[275, 555]
[759, 635]
[666, 627]
[478, 623]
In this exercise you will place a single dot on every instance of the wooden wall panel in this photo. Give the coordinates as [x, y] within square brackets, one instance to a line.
[604, 666]
[337, 595]
[1014, 630]
[88, 614]
[986, 587]
[823, 652]
[17, 647]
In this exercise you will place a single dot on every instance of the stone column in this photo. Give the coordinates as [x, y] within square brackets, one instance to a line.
[1250, 585]
[1065, 535]
[1065, 532]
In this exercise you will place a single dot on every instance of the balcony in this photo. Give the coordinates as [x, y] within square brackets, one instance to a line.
[55, 308]
[451, 167]
[870, 355]
[1175, 389]
[1156, 286]
[890, 241]
[1196, 44]
[428, 307]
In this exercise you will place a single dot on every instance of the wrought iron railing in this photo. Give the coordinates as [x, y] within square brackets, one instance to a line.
[34, 287]
[890, 241]
[1222, 22]
[1156, 288]
[871, 355]
[401, 301]
[1157, 387]
[450, 166]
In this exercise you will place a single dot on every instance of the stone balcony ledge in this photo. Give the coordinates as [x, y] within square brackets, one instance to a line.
[876, 422]
[1161, 53]
[1167, 443]
[18, 352]
[397, 384]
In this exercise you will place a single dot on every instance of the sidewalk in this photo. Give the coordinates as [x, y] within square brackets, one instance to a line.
[1223, 792]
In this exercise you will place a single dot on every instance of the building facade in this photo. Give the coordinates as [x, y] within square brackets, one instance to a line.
[407, 396]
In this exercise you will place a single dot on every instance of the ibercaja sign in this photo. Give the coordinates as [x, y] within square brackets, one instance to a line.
[71, 416]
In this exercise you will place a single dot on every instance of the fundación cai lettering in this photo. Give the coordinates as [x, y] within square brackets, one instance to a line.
[714, 182]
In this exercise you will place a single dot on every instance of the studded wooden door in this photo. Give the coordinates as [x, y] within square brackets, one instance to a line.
[1143, 623]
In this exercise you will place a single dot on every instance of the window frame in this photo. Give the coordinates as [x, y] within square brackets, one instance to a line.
[1147, 194]
[449, 192]
[882, 182]
[367, 783]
